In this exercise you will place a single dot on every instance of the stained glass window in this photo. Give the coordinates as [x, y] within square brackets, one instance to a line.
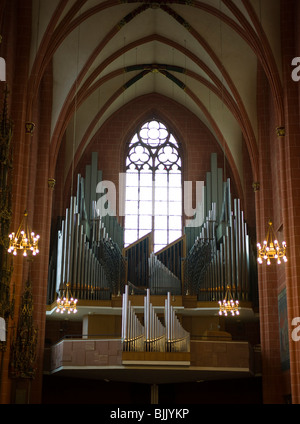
[153, 199]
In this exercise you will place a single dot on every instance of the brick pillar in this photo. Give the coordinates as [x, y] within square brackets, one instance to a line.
[40, 196]
[30, 191]
[291, 164]
[266, 206]
[17, 36]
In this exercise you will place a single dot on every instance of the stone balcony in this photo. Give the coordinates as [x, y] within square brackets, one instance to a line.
[104, 359]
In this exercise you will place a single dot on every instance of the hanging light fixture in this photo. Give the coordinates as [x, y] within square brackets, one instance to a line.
[24, 240]
[229, 306]
[66, 303]
[271, 249]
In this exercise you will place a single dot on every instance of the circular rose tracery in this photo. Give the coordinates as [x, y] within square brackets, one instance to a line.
[152, 148]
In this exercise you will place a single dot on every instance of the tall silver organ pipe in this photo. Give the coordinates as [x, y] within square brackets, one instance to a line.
[233, 267]
[171, 256]
[161, 279]
[136, 255]
[153, 336]
[78, 262]
[154, 329]
[214, 252]
[88, 251]
[177, 338]
[133, 335]
[160, 271]
[200, 255]
[221, 253]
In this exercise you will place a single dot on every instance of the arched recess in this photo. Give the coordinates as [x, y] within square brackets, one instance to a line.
[226, 150]
[184, 125]
[154, 187]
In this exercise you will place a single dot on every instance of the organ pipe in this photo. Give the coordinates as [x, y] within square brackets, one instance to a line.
[87, 257]
[211, 255]
[219, 257]
[161, 278]
[132, 331]
[156, 337]
[137, 255]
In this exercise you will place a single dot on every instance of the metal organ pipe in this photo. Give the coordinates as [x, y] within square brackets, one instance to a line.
[153, 336]
[229, 264]
[80, 262]
[154, 330]
[161, 278]
[132, 330]
[178, 339]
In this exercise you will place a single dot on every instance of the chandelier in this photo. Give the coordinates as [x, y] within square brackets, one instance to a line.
[271, 248]
[229, 306]
[24, 240]
[66, 303]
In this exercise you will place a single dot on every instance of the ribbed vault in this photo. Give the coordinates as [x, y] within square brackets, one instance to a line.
[202, 54]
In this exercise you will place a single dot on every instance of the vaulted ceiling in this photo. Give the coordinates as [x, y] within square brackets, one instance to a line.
[202, 54]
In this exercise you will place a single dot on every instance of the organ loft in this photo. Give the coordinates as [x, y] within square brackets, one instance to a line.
[149, 202]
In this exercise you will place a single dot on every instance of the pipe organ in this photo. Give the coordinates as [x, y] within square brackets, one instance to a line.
[136, 256]
[153, 336]
[154, 330]
[161, 279]
[178, 339]
[221, 254]
[88, 252]
[94, 268]
[160, 271]
[172, 255]
[214, 251]
[132, 332]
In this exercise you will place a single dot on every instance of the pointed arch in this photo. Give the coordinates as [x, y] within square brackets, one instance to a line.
[153, 193]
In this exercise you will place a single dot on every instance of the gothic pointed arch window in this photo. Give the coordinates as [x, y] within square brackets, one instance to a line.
[153, 199]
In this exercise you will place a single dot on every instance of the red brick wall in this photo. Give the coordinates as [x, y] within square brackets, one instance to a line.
[30, 176]
[268, 206]
[291, 165]
[278, 199]
[16, 41]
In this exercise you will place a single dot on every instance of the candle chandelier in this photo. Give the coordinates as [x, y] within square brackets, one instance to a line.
[66, 303]
[24, 240]
[228, 305]
[271, 249]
